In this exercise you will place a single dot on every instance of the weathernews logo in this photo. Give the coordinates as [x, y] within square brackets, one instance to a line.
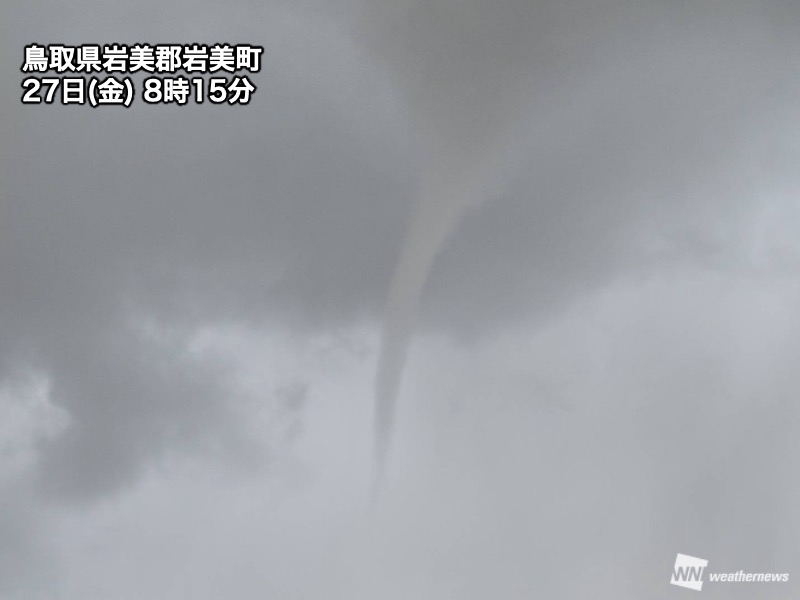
[689, 570]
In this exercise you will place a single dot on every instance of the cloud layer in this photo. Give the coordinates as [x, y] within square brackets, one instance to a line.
[630, 261]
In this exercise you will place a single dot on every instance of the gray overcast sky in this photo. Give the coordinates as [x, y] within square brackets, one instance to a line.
[604, 371]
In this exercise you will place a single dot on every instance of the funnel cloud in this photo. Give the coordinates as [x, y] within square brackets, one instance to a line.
[581, 215]
[482, 82]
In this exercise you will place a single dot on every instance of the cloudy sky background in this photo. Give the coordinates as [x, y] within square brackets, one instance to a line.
[605, 367]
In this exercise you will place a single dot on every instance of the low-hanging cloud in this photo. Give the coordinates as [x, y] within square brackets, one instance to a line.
[529, 154]
[623, 110]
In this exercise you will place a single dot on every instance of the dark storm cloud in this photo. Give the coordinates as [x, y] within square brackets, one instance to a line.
[646, 140]
[624, 109]
[293, 207]
[639, 129]
[186, 216]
